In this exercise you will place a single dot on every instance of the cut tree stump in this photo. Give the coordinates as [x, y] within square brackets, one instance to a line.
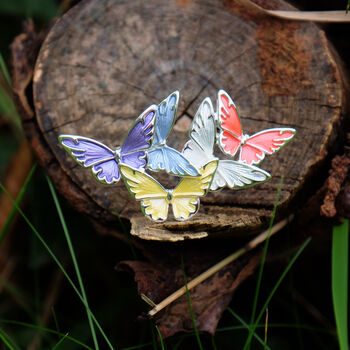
[104, 62]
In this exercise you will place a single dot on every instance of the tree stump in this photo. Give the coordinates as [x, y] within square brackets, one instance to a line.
[104, 62]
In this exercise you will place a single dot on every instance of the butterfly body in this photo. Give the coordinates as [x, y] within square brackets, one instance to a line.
[252, 148]
[244, 139]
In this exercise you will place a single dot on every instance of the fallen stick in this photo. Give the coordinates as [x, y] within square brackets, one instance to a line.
[217, 267]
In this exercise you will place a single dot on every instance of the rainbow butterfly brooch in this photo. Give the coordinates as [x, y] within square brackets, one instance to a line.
[145, 148]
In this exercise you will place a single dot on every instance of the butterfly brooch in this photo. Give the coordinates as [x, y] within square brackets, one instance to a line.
[200, 169]
[155, 199]
[102, 160]
[252, 148]
[200, 149]
[161, 156]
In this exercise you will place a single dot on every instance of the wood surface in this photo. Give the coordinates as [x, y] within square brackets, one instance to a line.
[106, 61]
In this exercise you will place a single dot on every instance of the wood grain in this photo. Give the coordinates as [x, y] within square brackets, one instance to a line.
[106, 61]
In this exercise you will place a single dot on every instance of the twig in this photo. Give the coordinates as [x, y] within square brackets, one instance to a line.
[313, 16]
[217, 267]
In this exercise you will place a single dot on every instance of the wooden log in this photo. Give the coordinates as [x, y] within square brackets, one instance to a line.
[104, 62]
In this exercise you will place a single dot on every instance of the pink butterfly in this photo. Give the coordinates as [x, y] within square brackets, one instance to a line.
[252, 148]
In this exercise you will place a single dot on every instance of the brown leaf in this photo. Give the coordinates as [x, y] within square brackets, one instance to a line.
[162, 275]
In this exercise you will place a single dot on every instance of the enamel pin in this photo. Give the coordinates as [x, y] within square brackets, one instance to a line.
[103, 160]
[144, 148]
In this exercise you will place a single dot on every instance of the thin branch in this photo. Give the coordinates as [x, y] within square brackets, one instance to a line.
[217, 267]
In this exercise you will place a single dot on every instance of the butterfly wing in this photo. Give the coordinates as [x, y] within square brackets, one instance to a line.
[170, 160]
[91, 153]
[145, 188]
[237, 175]
[186, 195]
[166, 112]
[231, 129]
[138, 139]
[199, 149]
[160, 156]
[264, 142]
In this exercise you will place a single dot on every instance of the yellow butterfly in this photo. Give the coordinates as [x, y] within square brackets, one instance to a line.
[155, 199]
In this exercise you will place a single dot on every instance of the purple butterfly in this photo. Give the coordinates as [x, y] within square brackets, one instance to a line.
[103, 160]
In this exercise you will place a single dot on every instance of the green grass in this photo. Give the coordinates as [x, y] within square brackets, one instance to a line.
[340, 258]
[261, 268]
[5, 71]
[21, 299]
[60, 341]
[126, 233]
[188, 296]
[5, 340]
[18, 200]
[45, 329]
[246, 325]
[273, 291]
[7, 105]
[278, 325]
[74, 259]
[42, 241]
[43, 10]
[160, 338]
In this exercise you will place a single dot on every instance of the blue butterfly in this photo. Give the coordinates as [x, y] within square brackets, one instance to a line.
[161, 156]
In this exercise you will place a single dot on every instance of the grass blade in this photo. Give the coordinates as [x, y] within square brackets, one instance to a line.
[160, 339]
[178, 344]
[261, 269]
[5, 340]
[17, 201]
[266, 326]
[340, 256]
[44, 329]
[274, 289]
[190, 306]
[140, 346]
[246, 325]
[7, 105]
[42, 241]
[54, 316]
[154, 338]
[9, 112]
[280, 325]
[213, 344]
[17, 295]
[60, 341]
[126, 233]
[75, 262]
[4, 70]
